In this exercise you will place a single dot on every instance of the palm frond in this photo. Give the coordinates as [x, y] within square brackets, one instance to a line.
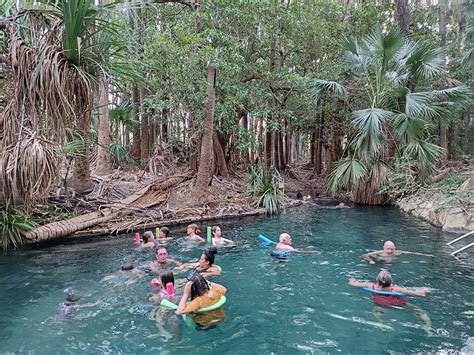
[320, 88]
[426, 62]
[408, 128]
[347, 173]
[368, 124]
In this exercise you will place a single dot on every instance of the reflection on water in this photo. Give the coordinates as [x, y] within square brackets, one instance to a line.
[303, 305]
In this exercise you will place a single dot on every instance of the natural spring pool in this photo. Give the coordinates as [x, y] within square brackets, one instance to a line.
[301, 306]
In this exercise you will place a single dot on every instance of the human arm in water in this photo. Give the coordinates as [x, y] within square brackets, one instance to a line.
[212, 271]
[413, 253]
[419, 292]
[354, 282]
[223, 242]
[369, 257]
[187, 265]
[184, 298]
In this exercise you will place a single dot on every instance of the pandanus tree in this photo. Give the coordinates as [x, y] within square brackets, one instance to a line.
[57, 50]
[398, 123]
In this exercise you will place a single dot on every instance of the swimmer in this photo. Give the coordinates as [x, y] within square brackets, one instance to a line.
[285, 244]
[388, 254]
[127, 275]
[384, 282]
[205, 264]
[193, 234]
[163, 287]
[147, 240]
[70, 306]
[162, 260]
[202, 295]
[342, 205]
[217, 239]
[164, 234]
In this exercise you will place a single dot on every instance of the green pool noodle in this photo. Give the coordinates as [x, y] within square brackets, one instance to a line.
[167, 304]
[209, 235]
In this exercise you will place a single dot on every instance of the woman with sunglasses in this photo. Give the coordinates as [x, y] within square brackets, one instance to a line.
[205, 264]
[162, 260]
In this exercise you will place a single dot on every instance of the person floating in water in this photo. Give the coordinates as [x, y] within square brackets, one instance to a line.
[388, 254]
[70, 306]
[203, 294]
[194, 234]
[162, 260]
[127, 275]
[342, 206]
[285, 245]
[384, 283]
[217, 239]
[205, 264]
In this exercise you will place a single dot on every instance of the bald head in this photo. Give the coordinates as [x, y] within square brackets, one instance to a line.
[389, 247]
[285, 238]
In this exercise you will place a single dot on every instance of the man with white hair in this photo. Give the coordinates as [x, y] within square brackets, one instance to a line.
[388, 254]
[285, 244]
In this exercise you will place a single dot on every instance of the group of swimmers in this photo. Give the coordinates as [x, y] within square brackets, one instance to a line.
[384, 292]
[198, 292]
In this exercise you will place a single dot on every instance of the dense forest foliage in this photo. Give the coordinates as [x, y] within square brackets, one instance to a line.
[373, 95]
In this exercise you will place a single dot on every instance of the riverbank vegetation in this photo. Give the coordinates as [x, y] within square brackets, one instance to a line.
[162, 110]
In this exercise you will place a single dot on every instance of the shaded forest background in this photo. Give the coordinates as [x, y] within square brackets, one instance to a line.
[372, 97]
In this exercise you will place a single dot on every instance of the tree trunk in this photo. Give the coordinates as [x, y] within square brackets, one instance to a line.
[318, 148]
[402, 15]
[204, 173]
[443, 136]
[136, 147]
[82, 171]
[103, 165]
[245, 126]
[145, 127]
[164, 125]
[220, 167]
[268, 145]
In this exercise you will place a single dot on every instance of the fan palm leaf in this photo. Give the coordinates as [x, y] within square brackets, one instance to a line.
[320, 88]
[368, 123]
[346, 173]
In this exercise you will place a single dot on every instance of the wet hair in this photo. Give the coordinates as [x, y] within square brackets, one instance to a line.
[127, 266]
[147, 236]
[166, 277]
[166, 231]
[299, 195]
[209, 255]
[214, 228]
[72, 297]
[199, 286]
[160, 248]
[196, 228]
[384, 278]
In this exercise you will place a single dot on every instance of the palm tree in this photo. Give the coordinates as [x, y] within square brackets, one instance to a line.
[398, 121]
[58, 49]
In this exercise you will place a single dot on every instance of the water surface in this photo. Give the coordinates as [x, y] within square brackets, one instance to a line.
[303, 305]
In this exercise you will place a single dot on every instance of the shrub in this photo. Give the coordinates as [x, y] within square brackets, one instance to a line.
[267, 188]
[13, 224]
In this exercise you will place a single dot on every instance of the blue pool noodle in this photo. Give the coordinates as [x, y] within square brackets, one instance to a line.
[384, 292]
[265, 241]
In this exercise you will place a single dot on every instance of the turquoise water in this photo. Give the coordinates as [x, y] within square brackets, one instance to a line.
[304, 305]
